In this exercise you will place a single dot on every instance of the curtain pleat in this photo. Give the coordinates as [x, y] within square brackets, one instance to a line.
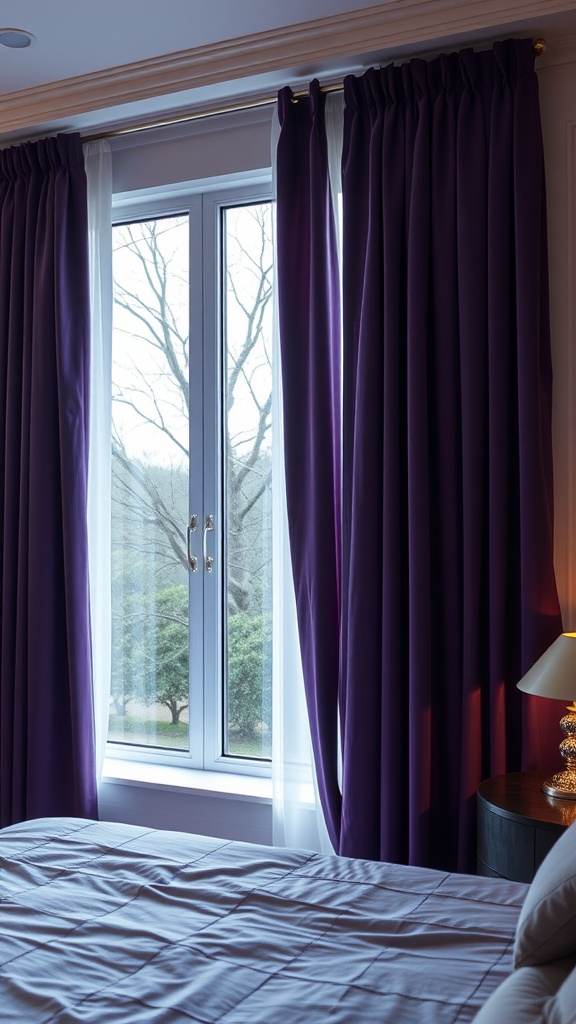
[309, 324]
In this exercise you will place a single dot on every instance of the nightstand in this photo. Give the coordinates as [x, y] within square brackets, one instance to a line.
[518, 824]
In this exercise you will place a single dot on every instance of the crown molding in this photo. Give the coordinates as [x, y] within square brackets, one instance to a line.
[385, 28]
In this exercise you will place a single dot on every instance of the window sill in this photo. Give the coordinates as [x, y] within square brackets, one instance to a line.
[189, 780]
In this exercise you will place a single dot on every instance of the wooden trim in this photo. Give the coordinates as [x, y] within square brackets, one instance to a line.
[383, 29]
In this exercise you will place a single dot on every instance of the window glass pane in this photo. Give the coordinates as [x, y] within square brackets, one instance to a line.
[247, 472]
[149, 703]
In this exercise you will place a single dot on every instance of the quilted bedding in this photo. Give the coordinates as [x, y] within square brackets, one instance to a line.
[105, 923]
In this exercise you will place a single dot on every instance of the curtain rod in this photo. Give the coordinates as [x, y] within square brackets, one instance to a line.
[539, 46]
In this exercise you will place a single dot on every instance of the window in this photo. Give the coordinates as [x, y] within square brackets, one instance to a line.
[191, 481]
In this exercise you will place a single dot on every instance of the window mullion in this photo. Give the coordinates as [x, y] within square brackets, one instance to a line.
[197, 500]
[213, 506]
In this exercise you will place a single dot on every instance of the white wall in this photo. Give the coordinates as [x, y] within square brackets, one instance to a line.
[209, 148]
[172, 807]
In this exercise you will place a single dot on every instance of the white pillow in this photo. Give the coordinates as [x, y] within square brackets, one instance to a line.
[546, 927]
[562, 1008]
[525, 996]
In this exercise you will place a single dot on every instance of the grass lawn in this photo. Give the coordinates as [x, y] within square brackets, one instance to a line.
[140, 729]
[159, 732]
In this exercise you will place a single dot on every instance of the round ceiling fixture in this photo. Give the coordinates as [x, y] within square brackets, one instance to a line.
[16, 38]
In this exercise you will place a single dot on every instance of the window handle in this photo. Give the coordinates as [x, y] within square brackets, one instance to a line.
[208, 525]
[192, 559]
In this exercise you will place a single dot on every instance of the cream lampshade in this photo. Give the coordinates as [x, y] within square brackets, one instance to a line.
[554, 675]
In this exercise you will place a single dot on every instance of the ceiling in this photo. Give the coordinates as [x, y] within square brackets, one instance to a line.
[112, 62]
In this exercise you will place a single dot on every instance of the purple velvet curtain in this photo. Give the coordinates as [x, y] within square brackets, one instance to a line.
[447, 582]
[46, 714]
[309, 312]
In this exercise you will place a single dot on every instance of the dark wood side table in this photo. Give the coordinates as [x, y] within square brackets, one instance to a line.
[518, 824]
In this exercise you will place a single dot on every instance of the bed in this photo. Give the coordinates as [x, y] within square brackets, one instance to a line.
[105, 923]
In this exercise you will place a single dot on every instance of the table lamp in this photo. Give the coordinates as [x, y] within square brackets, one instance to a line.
[554, 675]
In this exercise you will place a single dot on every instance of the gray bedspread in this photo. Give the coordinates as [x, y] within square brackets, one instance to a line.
[117, 924]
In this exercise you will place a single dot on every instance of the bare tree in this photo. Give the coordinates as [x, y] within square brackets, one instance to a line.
[152, 391]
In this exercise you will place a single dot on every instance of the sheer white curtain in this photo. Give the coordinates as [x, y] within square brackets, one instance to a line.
[98, 166]
[297, 816]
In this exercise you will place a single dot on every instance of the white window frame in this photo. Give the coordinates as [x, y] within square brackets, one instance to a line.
[203, 203]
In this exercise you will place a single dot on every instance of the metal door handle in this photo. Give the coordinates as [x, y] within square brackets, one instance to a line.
[192, 559]
[208, 561]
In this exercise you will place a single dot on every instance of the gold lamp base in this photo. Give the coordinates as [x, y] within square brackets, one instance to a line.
[564, 783]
